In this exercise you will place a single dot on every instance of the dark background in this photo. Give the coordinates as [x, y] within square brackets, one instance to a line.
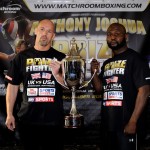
[90, 108]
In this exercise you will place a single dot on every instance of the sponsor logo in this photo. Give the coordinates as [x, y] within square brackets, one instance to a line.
[47, 91]
[13, 8]
[32, 91]
[115, 95]
[41, 99]
[44, 99]
[30, 99]
[86, 6]
[112, 103]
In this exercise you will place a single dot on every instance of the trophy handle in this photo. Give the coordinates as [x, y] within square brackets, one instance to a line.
[66, 87]
[63, 85]
[87, 82]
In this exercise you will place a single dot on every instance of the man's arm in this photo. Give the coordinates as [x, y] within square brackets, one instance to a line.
[143, 93]
[4, 56]
[97, 84]
[11, 95]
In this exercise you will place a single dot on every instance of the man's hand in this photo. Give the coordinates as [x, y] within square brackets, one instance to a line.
[55, 66]
[130, 128]
[10, 122]
[94, 65]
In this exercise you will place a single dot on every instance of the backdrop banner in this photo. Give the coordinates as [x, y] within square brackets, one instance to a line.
[86, 21]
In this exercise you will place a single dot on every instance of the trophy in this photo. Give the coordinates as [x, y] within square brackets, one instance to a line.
[73, 68]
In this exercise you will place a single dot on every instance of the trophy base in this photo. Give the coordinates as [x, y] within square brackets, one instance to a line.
[76, 121]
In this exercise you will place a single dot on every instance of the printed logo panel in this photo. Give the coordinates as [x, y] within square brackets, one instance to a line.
[115, 95]
[41, 99]
[44, 99]
[31, 99]
[112, 103]
[47, 91]
[32, 91]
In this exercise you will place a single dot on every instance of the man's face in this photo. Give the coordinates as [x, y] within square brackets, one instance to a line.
[116, 37]
[45, 33]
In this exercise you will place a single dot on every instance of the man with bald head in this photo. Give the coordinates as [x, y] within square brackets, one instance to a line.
[124, 83]
[40, 117]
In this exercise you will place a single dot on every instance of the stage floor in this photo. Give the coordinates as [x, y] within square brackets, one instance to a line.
[17, 146]
[70, 147]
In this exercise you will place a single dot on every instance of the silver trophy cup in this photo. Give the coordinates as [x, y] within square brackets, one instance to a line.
[73, 67]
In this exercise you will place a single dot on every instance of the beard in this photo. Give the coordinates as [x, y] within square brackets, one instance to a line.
[118, 45]
[43, 41]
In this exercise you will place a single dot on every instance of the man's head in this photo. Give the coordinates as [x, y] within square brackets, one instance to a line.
[116, 36]
[44, 34]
